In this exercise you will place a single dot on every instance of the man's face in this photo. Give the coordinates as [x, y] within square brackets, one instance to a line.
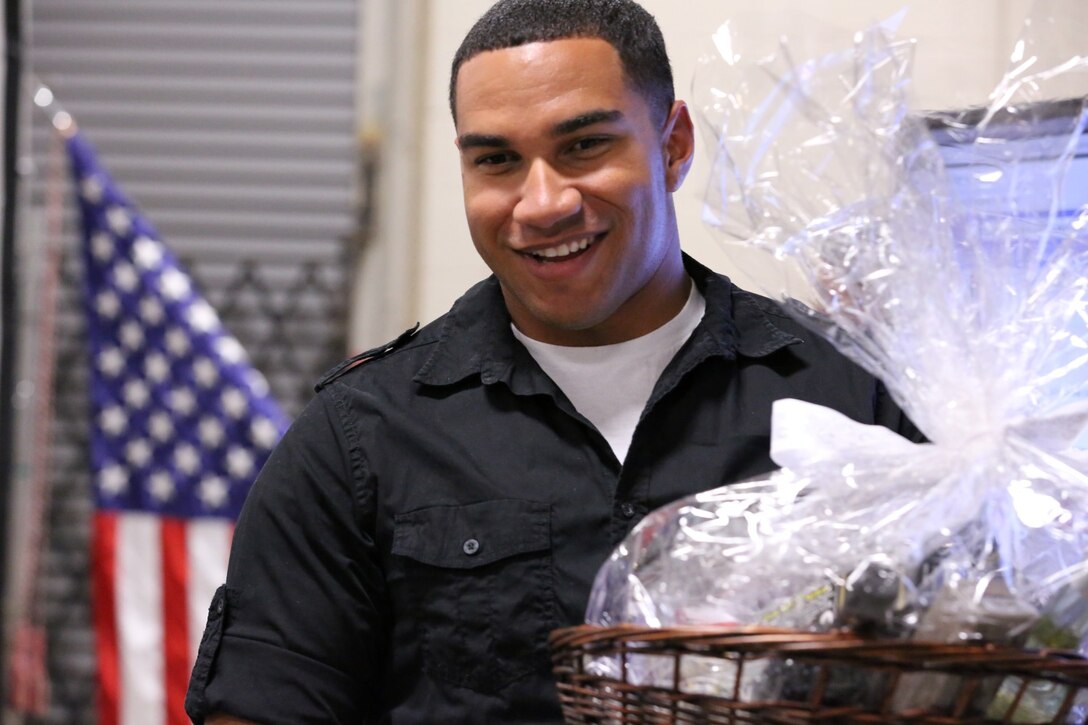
[566, 181]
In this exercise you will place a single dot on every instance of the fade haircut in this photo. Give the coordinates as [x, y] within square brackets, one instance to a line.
[624, 24]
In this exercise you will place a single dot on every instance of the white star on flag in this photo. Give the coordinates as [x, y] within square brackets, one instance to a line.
[151, 311]
[213, 492]
[202, 317]
[136, 394]
[175, 285]
[187, 459]
[233, 401]
[138, 453]
[147, 253]
[205, 372]
[118, 220]
[264, 432]
[107, 304]
[230, 350]
[111, 362]
[161, 426]
[256, 381]
[239, 462]
[91, 189]
[132, 335]
[113, 480]
[102, 246]
[210, 432]
[156, 367]
[182, 401]
[113, 420]
[177, 342]
[125, 277]
[161, 485]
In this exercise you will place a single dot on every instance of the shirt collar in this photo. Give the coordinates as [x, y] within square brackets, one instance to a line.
[475, 336]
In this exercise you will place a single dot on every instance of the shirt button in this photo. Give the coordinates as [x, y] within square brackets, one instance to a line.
[628, 510]
[471, 546]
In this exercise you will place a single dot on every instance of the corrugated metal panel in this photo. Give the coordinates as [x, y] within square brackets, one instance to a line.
[227, 120]
[231, 124]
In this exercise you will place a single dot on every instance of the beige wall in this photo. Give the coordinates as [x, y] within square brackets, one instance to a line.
[961, 53]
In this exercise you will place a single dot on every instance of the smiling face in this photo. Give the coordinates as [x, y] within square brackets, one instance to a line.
[567, 184]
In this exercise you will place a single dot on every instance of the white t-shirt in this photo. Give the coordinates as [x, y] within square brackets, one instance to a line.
[610, 384]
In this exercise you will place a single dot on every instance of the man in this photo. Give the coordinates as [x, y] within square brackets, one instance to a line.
[444, 504]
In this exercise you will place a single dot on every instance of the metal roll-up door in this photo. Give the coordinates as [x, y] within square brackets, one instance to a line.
[230, 123]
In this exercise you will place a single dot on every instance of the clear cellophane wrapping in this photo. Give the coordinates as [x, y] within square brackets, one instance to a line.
[947, 254]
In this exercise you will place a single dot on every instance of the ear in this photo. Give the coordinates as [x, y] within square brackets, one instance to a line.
[679, 145]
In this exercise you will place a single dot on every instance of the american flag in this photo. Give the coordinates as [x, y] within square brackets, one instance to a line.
[181, 422]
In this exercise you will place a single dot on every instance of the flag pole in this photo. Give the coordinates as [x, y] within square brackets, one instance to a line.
[28, 681]
[9, 298]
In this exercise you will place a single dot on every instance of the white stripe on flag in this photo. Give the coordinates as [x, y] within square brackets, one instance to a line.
[139, 618]
[208, 544]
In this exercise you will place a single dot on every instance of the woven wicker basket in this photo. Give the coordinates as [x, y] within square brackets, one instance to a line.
[648, 678]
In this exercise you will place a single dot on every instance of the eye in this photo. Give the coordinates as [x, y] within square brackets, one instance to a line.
[590, 146]
[494, 161]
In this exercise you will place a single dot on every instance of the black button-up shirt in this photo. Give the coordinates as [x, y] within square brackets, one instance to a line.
[436, 511]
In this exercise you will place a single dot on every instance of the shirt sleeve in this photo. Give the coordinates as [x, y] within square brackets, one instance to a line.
[298, 630]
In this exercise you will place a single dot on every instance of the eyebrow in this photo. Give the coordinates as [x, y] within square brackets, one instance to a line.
[586, 119]
[478, 140]
[483, 140]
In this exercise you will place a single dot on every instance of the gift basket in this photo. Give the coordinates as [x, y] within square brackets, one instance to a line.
[873, 579]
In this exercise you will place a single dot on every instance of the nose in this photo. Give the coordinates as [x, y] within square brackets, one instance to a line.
[547, 197]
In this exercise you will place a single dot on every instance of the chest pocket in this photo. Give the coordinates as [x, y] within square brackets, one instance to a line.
[481, 576]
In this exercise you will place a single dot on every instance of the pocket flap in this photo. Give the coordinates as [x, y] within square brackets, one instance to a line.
[465, 537]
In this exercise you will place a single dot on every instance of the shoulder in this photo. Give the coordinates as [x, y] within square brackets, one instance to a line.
[389, 356]
[477, 320]
[814, 333]
[805, 347]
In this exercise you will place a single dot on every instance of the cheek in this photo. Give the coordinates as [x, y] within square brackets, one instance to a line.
[626, 187]
[486, 211]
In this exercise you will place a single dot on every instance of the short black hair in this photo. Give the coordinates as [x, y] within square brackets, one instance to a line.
[624, 24]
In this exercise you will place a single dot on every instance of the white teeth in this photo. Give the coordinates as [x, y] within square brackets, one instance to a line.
[565, 249]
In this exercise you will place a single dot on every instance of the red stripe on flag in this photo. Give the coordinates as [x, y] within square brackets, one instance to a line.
[103, 603]
[175, 618]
